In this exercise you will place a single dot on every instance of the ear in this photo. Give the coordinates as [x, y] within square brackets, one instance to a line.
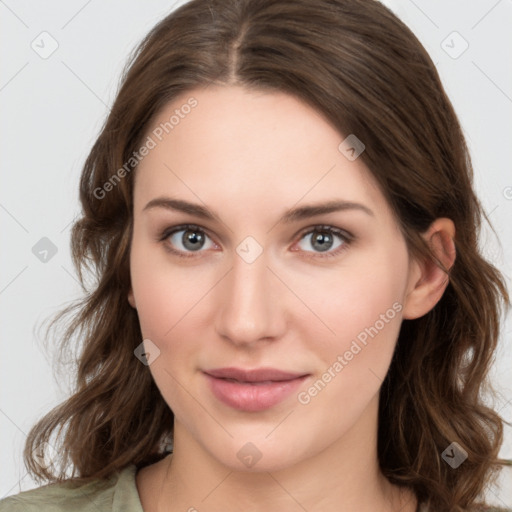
[427, 282]
[131, 298]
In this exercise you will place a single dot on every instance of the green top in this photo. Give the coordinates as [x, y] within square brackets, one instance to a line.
[118, 494]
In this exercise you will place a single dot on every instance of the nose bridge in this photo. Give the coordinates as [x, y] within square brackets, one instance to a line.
[248, 306]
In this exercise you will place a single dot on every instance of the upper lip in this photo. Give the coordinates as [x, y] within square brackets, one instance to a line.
[254, 375]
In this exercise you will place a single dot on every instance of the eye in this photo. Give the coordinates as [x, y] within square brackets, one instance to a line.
[186, 239]
[323, 240]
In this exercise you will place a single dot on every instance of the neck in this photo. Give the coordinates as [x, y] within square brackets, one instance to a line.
[342, 478]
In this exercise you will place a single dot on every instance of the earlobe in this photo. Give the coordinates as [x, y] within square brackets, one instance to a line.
[131, 299]
[427, 282]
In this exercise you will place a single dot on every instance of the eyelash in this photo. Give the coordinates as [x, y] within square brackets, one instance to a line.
[346, 237]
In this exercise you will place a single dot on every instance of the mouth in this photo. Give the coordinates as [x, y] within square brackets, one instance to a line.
[252, 390]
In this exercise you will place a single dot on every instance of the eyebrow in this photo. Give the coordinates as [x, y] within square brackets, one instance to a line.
[292, 215]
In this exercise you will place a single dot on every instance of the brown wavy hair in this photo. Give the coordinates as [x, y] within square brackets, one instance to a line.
[356, 63]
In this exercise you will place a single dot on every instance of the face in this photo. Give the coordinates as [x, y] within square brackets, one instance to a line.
[237, 281]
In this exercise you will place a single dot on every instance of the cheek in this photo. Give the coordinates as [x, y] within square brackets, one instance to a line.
[171, 301]
[164, 293]
[167, 298]
[352, 364]
[363, 308]
[357, 295]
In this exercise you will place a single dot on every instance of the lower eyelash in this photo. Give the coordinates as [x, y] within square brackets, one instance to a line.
[343, 235]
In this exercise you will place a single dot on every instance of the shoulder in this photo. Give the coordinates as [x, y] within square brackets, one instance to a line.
[118, 494]
[495, 509]
[489, 508]
[492, 509]
[475, 508]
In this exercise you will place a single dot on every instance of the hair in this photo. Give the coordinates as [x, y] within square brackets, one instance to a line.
[357, 64]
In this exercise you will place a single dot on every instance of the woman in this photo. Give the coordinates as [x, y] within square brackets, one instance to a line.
[291, 311]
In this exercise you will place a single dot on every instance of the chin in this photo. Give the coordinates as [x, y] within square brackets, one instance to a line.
[258, 455]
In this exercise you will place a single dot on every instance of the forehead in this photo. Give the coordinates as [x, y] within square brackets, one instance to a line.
[230, 146]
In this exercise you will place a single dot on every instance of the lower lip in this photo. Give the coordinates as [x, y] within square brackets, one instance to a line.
[252, 397]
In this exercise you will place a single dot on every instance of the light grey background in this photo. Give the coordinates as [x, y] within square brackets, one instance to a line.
[52, 109]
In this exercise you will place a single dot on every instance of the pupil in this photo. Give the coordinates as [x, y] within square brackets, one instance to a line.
[193, 238]
[325, 241]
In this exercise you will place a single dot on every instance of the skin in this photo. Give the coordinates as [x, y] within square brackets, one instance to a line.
[250, 156]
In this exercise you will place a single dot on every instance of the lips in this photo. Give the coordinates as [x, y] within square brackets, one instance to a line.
[256, 375]
[252, 390]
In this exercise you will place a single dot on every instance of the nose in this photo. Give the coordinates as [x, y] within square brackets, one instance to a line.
[249, 302]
